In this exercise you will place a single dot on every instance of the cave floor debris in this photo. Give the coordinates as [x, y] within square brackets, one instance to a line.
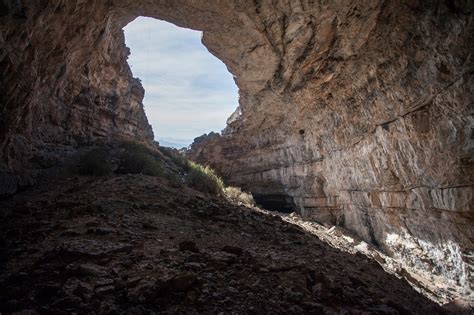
[435, 287]
[135, 244]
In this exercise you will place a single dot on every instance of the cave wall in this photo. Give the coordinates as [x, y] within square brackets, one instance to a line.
[359, 111]
[367, 123]
[64, 83]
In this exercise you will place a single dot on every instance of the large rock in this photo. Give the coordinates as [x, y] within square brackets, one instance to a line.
[356, 113]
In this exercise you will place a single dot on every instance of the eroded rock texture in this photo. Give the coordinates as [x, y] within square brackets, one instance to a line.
[65, 82]
[353, 112]
[366, 122]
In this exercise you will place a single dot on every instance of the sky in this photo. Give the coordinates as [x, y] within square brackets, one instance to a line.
[188, 91]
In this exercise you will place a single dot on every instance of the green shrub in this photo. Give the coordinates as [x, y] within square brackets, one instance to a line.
[140, 163]
[136, 147]
[204, 179]
[94, 163]
[176, 158]
[236, 194]
[138, 159]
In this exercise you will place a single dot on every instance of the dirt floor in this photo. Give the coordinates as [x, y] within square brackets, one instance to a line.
[134, 244]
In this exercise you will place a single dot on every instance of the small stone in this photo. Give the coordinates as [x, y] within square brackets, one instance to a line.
[100, 231]
[104, 282]
[141, 292]
[105, 289]
[233, 250]
[149, 226]
[193, 265]
[82, 290]
[182, 282]
[87, 269]
[188, 245]
[132, 282]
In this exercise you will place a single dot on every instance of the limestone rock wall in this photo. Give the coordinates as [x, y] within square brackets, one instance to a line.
[64, 82]
[367, 123]
[357, 113]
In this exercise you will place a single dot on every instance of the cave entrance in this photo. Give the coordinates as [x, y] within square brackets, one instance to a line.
[276, 202]
[188, 91]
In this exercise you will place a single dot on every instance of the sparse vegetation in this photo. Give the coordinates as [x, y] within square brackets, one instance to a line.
[136, 147]
[176, 158]
[140, 163]
[138, 159]
[236, 194]
[94, 163]
[203, 178]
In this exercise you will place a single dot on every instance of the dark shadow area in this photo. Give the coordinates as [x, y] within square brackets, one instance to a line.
[274, 202]
[138, 244]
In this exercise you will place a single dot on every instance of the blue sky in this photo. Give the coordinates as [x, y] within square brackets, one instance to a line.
[188, 91]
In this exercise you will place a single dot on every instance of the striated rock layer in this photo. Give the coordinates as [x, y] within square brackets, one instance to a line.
[366, 122]
[357, 113]
[65, 81]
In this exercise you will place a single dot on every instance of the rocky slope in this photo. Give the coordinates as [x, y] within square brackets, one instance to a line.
[357, 113]
[133, 244]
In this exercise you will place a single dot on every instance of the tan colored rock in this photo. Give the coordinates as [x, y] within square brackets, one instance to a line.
[375, 116]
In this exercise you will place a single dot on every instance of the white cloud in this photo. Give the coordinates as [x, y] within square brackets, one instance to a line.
[188, 91]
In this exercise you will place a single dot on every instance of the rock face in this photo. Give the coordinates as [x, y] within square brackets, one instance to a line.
[65, 82]
[366, 123]
[357, 113]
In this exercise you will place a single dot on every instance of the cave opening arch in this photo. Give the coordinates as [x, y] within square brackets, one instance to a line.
[188, 92]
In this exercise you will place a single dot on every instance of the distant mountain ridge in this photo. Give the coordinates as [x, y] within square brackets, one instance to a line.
[175, 142]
